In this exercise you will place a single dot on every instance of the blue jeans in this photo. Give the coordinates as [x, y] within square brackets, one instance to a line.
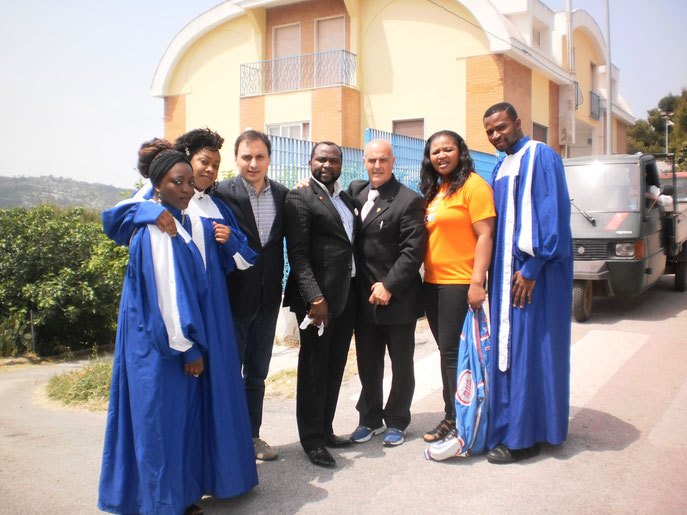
[254, 340]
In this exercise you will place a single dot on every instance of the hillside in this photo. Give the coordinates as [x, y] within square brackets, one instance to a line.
[29, 192]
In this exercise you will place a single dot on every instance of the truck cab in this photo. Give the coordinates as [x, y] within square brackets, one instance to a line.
[625, 235]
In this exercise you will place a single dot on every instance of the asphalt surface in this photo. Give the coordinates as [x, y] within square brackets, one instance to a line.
[626, 450]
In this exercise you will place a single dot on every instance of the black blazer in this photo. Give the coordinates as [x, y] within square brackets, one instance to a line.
[320, 253]
[391, 247]
[265, 278]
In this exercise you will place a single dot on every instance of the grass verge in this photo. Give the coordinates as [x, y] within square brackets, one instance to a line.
[87, 388]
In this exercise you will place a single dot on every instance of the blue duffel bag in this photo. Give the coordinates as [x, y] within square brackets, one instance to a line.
[472, 392]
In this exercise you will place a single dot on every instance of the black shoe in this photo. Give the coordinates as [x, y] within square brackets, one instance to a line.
[337, 442]
[194, 509]
[502, 454]
[321, 457]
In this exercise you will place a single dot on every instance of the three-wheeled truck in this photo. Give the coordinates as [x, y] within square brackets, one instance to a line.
[625, 235]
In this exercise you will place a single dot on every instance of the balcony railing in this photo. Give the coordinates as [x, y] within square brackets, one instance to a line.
[332, 68]
[594, 106]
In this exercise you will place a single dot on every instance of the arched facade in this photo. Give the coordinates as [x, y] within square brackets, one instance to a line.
[420, 66]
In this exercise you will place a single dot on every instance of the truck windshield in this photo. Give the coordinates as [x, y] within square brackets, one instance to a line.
[598, 188]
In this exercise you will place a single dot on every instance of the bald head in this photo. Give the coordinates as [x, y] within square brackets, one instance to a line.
[379, 161]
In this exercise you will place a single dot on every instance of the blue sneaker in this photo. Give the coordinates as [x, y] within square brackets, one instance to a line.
[364, 433]
[394, 437]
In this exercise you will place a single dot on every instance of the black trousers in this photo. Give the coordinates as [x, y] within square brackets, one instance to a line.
[321, 364]
[446, 306]
[371, 342]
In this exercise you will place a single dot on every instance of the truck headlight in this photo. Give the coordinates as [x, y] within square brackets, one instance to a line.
[625, 249]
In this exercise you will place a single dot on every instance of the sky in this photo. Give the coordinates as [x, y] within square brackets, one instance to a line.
[75, 82]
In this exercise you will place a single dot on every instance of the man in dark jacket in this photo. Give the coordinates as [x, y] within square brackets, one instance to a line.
[320, 229]
[255, 293]
[391, 247]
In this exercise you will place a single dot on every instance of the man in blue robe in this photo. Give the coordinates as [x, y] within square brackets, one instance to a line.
[530, 294]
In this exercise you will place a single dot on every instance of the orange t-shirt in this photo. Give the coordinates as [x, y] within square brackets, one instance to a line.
[451, 249]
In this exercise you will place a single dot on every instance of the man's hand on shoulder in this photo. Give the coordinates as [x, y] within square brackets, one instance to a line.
[165, 222]
[302, 183]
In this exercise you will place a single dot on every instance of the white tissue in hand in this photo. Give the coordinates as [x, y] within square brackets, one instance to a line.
[307, 321]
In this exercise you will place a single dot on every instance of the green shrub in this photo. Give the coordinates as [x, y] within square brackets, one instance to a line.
[15, 336]
[58, 264]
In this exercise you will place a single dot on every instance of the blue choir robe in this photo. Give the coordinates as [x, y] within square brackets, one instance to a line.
[153, 439]
[529, 370]
[227, 464]
[228, 455]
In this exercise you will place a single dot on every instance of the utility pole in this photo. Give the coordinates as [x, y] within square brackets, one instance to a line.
[668, 116]
[609, 84]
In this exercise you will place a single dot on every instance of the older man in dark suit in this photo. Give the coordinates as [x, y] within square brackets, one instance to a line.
[320, 229]
[255, 293]
[391, 247]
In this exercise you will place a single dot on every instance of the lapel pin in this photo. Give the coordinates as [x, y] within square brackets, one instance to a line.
[379, 209]
[321, 198]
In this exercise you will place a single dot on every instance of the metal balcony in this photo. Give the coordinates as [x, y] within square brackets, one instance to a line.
[594, 106]
[332, 68]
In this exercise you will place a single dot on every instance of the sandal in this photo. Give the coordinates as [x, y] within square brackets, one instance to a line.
[439, 432]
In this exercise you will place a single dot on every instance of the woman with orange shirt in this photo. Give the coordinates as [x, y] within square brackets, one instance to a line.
[460, 220]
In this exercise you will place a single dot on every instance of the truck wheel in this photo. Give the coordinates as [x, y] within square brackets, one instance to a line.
[583, 294]
[681, 275]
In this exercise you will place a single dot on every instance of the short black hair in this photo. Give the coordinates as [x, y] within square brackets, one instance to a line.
[502, 106]
[312, 152]
[253, 135]
[198, 139]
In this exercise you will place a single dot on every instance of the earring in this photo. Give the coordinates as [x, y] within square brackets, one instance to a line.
[159, 196]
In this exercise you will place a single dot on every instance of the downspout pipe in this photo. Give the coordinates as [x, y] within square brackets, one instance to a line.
[609, 82]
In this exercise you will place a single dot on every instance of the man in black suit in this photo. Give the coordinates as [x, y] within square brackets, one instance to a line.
[255, 293]
[391, 247]
[320, 229]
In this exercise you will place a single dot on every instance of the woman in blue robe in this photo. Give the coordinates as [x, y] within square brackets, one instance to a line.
[177, 424]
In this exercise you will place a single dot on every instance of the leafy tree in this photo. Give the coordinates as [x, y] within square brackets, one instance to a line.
[649, 135]
[642, 137]
[59, 265]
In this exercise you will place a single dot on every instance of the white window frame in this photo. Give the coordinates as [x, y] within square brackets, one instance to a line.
[281, 126]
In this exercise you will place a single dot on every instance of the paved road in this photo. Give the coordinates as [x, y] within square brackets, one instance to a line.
[626, 451]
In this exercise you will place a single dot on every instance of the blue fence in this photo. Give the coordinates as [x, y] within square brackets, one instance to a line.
[290, 159]
[290, 162]
[409, 151]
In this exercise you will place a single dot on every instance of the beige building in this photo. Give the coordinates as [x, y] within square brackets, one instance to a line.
[327, 69]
